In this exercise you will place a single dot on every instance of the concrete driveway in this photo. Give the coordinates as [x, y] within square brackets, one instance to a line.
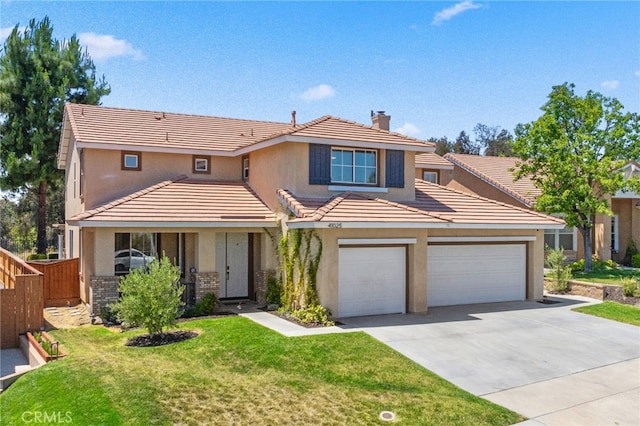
[552, 365]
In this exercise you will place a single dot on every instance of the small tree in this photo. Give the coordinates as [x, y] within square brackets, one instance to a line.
[560, 271]
[151, 298]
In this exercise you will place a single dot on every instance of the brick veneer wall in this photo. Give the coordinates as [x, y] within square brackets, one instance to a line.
[104, 290]
[206, 282]
[260, 285]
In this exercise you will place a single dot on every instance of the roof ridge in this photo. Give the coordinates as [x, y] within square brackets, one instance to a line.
[291, 202]
[488, 179]
[138, 194]
[182, 114]
[379, 130]
[522, 209]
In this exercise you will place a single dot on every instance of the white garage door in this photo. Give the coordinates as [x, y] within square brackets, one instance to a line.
[371, 281]
[482, 273]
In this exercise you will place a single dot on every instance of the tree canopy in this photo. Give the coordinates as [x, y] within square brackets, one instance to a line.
[38, 75]
[496, 142]
[574, 151]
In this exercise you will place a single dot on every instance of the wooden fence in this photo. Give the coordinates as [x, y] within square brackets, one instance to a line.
[61, 281]
[21, 299]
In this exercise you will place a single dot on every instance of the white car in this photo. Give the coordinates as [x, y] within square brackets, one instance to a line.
[126, 260]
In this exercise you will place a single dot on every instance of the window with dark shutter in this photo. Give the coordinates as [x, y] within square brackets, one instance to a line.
[319, 164]
[394, 169]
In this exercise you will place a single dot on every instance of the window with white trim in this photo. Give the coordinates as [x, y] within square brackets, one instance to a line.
[565, 238]
[201, 164]
[615, 238]
[131, 160]
[359, 166]
[430, 177]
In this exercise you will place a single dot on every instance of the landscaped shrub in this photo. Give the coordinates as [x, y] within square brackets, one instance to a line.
[273, 295]
[632, 250]
[150, 298]
[314, 314]
[207, 306]
[631, 287]
[560, 272]
[635, 261]
[598, 265]
[37, 256]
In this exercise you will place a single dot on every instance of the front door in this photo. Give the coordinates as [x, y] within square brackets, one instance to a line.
[232, 263]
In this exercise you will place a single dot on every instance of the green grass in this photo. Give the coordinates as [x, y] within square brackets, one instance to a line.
[614, 311]
[606, 276]
[237, 372]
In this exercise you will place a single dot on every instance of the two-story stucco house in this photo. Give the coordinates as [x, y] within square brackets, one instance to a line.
[205, 191]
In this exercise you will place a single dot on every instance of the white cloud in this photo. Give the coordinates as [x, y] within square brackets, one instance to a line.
[610, 84]
[103, 47]
[317, 93]
[408, 129]
[450, 12]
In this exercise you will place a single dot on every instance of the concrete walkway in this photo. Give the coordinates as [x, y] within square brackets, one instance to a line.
[546, 362]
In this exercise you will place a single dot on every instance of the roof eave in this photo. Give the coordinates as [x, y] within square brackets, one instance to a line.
[172, 224]
[418, 225]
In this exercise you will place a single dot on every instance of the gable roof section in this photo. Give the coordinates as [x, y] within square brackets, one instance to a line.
[495, 172]
[431, 160]
[117, 128]
[435, 207]
[183, 202]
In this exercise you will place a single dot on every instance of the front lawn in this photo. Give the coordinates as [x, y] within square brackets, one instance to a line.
[613, 311]
[237, 372]
[606, 276]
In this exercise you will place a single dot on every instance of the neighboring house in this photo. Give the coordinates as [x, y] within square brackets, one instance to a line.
[492, 177]
[209, 191]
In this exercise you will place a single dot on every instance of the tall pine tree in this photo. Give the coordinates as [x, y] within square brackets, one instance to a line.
[38, 75]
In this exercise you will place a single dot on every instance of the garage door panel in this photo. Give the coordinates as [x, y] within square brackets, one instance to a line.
[463, 274]
[371, 280]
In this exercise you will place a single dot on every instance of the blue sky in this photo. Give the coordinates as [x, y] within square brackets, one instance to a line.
[436, 67]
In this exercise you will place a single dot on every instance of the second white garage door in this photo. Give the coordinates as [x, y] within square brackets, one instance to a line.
[371, 281]
[482, 273]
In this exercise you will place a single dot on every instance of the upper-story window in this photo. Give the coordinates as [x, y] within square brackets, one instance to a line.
[430, 177]
[245, 168]
[201, 164]
[354, 166]
[131, 160]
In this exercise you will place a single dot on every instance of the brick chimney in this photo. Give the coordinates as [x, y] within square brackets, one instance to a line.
[380, 120]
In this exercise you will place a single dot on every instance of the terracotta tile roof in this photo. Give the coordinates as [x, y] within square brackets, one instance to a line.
[495, 172]
[184, 201]
[433, 160]
[137, 128]
[435, 206]
[168, 132]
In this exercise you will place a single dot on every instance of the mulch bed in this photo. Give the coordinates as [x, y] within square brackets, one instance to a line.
[160, 339]
[298, 322]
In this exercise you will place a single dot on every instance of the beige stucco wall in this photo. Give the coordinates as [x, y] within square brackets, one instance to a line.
[286, 166]
[106, 181]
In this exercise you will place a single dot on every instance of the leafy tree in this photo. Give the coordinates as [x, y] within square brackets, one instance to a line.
[496, 142]
[150, 298]
[443, 145]
[464, 145]
[38, 75]
[574, 152]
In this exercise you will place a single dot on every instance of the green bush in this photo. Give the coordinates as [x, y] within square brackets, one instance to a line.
[560, 272]
[635, 261]
[207, 306]
[273, 295]
[598, 265]
[315, 314]
[631, 287]
[150, 298]
[37, 256]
